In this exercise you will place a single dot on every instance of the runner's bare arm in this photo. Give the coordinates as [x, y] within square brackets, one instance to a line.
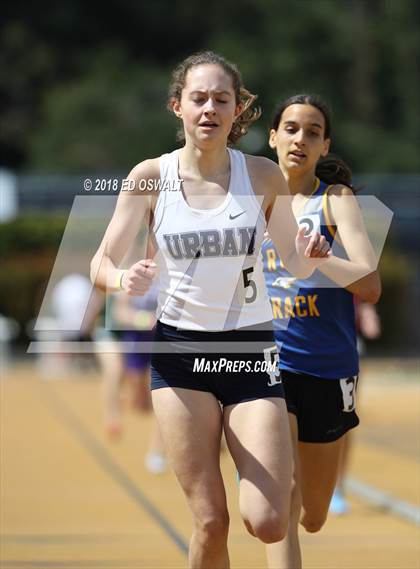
[358, 273]
[131, 212]
[295, 249]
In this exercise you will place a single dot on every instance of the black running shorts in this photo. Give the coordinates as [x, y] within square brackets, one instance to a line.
[207, 361]
[324, 408]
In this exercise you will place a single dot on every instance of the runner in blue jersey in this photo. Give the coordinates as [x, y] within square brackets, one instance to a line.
[314, 318]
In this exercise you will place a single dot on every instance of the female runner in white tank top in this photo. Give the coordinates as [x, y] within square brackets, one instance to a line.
[207, 232]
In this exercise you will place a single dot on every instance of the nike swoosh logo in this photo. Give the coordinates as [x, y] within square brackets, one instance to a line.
[235, 216]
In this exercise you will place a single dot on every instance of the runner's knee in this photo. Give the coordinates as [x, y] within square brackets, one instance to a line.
[268, 528]
[212, 528]
[313, 525]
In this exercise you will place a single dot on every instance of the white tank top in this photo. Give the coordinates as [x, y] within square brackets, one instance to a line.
[209, 261]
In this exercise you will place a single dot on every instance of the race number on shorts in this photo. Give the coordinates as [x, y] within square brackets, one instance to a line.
[348, 388]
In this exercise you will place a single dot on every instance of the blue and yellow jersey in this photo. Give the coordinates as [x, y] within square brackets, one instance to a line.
[314, 319]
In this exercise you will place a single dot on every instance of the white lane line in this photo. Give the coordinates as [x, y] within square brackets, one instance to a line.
[383, 500]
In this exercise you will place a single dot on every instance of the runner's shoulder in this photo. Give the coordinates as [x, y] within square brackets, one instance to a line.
[265, 174]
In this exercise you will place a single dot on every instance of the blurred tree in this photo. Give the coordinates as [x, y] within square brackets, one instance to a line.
[60, 78]
[110, 119]
[26, 68]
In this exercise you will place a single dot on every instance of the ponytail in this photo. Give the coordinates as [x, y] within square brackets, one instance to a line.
[333, 170]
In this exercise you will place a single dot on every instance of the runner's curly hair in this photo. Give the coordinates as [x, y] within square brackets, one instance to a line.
[250, 111]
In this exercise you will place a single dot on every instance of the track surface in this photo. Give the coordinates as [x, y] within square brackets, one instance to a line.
[72, 499]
